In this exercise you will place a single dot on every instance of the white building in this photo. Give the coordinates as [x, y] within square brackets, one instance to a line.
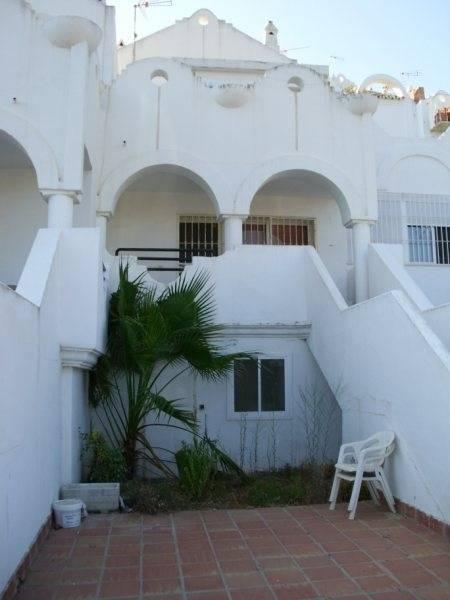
[321, 211]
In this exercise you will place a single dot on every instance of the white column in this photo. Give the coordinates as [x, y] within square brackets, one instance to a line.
[75, 110]
[102, 223]
[60, 207]
[232, 231]
[361, 241]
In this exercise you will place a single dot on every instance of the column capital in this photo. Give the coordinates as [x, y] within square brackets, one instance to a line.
[74, 195]
[350, 224]
[106, 214]
[225, 216]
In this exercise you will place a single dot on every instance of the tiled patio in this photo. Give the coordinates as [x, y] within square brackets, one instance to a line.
[276, 553]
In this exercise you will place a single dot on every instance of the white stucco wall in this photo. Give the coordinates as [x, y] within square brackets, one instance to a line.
[397, 118]
[188, 38]
[268, 441]
[257, 285]
[22, 212]
[330, 234]
[39, 438]
[144, 219]
[419, 175]
[151, 219]
[433, 280]
[362, 348]
[117, 126]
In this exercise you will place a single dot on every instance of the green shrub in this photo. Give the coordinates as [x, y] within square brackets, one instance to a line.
[197, 467]
[101, 462]
[152, 497]
[273, 490]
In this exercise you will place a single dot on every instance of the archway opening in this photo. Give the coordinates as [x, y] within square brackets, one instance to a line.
[23, 211]
[299, 207]
[165, 215]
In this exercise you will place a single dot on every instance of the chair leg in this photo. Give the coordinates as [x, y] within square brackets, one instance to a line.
[355, 496]
[335, 491]
[373, 493]
[386, 489]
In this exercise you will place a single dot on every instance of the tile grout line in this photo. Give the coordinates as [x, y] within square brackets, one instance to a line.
[379, 563]
[385, 570]
[260, 570]
[177, 554]
[215, 556]
[141, 559]
[342, 567]
[361, 549]
[103, 567]
[308, 580]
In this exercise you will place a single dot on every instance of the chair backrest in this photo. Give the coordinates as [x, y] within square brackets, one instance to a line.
[380, 446]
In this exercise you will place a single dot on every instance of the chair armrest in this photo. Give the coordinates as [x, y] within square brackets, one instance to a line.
[373, 454]
[349, 451]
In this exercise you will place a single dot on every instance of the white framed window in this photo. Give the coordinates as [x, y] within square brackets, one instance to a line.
[259, 388]
[278, 231]
[429, 244]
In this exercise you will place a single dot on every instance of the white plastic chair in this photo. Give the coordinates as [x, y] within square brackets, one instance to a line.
[363, 461]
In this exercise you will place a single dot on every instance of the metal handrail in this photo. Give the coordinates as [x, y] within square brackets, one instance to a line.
[184, 256]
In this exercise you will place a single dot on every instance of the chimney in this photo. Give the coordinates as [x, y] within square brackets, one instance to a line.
[272, 36]
[417, 94]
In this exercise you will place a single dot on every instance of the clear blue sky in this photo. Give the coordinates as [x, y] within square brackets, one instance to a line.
[372, 36]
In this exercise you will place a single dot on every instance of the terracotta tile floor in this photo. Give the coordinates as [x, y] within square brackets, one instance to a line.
[274, 553]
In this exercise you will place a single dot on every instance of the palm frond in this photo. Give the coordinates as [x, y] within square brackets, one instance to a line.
[170, 410]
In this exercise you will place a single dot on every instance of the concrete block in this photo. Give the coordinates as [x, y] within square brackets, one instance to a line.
[98, 497]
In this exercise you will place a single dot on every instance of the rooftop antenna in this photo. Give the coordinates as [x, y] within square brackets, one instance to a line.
[141, 6]
[292, 49]
[333, 59]
[411, 73]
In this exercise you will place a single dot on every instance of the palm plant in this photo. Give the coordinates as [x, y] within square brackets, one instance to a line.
[153, 340]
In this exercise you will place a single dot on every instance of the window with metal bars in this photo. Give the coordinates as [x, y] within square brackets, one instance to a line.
[199, 235]
[421, 222]
[278, 231]
[429, 244]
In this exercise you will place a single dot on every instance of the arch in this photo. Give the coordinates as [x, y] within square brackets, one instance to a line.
[198, 171]
[384, 79]
[398, 153]
[345, 193]
[35, 146]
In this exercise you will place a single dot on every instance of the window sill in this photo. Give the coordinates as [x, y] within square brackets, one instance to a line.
[277, 416]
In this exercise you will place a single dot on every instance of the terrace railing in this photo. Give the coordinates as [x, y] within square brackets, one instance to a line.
[175, 258]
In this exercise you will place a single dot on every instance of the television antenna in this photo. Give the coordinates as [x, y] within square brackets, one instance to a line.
[411, 74]
[141, 6]
[333, 59]
[298, 48]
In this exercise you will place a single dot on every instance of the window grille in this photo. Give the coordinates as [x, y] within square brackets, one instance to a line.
[199, 235]
[278, 231]
[421, 222]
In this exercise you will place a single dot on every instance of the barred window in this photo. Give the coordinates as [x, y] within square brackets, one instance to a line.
[199, 235]
[278, 231]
